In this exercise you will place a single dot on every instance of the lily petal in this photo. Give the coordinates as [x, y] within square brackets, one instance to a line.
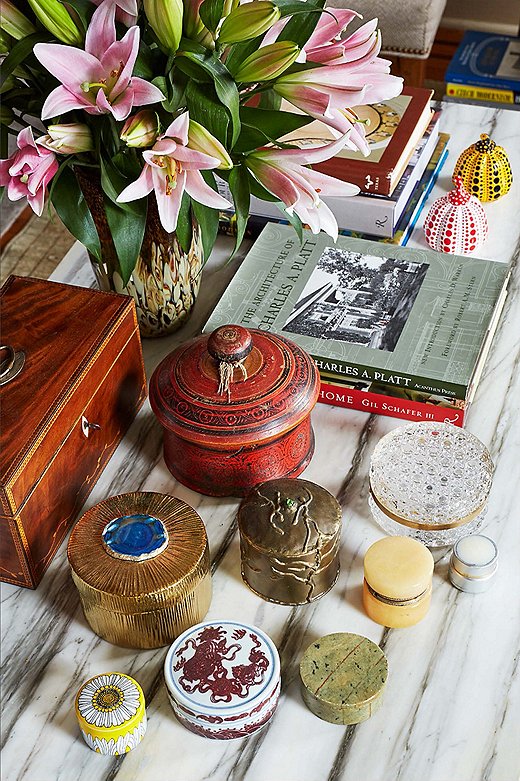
[145, 93]
[101, 32]
[66, 63]
[61, 100]
[329, 27]
[198, 189]
[179, 128]
[168, 205]
[123, 52]
[142, 187]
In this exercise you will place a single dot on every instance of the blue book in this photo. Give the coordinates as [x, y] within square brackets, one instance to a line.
[485, 61]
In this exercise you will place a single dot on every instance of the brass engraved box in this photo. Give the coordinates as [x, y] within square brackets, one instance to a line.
[289, 540]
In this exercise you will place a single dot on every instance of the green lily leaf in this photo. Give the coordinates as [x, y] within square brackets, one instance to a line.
[20, 51]
[262, 126]
[240, 190]
[127, 230]
[73, 211]
[84, 9]
[225, 86]
[184, 224]
[205, 108]
[207, 218]
[211, 13]
[300, 28]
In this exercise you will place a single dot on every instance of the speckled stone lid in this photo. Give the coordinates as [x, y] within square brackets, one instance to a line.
[342, 677]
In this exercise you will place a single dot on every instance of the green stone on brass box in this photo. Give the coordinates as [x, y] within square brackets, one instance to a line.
[368, 311]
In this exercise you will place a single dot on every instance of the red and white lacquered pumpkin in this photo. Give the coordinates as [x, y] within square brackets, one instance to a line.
[456, 222]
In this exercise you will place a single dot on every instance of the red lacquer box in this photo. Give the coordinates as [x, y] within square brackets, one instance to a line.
[235, 408]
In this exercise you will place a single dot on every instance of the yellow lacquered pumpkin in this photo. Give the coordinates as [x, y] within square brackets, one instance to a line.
[484, 169]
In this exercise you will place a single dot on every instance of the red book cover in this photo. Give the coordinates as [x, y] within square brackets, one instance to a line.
[378, 404]
[394, 130]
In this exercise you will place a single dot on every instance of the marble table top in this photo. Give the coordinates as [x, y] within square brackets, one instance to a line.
[451, 710]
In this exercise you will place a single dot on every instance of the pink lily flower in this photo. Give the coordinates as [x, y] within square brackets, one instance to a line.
[126, 11]
[99, 79]
[27, 172]
[324, 43]
[283, 173]
[171, 168]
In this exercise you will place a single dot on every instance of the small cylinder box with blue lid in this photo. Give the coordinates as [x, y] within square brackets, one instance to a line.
[140, 562]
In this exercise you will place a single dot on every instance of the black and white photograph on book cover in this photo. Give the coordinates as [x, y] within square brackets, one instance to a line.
[361, 299]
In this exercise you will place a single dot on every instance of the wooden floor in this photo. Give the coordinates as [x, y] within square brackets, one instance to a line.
[32, 246]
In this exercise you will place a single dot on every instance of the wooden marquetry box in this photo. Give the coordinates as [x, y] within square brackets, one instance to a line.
[71, 382]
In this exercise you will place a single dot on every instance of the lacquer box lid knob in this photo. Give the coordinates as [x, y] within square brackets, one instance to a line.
[289, 540]
[223, 679]
[110, 709]
[233, 386]
[430, 481]
[140, 562]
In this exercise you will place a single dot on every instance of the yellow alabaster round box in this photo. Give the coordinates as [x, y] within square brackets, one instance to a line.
[398, 581]
[111, 713]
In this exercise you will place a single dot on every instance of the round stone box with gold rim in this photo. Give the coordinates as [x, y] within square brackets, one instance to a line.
[140, 562]
[111, 713]
[343, 676]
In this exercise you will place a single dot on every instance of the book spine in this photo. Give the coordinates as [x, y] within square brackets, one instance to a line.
[474, 92]
[343, 371]
[372, 216]
[378, 404]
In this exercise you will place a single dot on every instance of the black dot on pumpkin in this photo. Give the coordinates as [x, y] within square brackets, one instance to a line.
[475, 188]
[497, 188]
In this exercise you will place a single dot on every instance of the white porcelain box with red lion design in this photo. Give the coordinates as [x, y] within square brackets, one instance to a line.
[223, 679]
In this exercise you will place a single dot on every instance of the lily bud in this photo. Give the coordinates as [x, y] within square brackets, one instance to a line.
[247, 21]
[67, 139]
[191, 20]
[165, 17]
[202, 140]
[55, 17]
[141, 129]
[269, 62]
[13, 22]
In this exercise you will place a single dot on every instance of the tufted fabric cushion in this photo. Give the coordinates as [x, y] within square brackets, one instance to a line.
[408, 27]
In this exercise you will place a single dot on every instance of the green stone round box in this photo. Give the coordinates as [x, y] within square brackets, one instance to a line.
[289, 540]
[343, 677]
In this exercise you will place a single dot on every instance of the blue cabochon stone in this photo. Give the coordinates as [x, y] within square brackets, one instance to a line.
[135, 537]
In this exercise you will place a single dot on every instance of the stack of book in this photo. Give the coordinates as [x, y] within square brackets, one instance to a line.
[393, 331]
[485, 68]
[407, 152]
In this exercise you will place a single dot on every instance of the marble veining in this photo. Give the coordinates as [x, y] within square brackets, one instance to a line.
[451, 707]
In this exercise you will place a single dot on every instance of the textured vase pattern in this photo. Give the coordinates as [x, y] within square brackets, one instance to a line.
[165, 281]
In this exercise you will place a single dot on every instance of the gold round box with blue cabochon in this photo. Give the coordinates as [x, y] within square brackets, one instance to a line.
[111, 713]
[140, 562]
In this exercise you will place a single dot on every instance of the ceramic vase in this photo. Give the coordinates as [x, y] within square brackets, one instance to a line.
[165, 281]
